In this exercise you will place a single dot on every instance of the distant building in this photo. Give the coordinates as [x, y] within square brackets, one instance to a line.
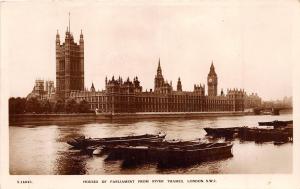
[252, 101]
[128, 97]
[43, 90]
[212, 81]
[69, 65]
[286, 102]
[160, 85]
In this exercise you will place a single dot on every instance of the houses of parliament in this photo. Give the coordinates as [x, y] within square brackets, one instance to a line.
[127, 96]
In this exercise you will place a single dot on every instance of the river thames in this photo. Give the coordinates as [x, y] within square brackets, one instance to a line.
[42, 149]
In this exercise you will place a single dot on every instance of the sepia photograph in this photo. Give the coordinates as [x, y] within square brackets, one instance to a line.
[148, 88]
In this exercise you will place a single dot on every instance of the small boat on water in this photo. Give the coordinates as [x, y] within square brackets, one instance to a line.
[265, 135]
[171, 157]
[283, 134]
[276, 123]
[83, 142]
[222, 132]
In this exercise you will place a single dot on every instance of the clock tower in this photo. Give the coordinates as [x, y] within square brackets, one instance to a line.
[212, 81]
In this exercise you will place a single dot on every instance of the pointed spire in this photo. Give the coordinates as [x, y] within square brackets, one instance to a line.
[57, 36]
[69, 22]
[81, 35]
[212, 69]
[159, 72]
[92, 87]
[81, 38]
[212, 65]
[159, 64]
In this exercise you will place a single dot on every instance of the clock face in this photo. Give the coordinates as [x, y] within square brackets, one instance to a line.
[210, 80]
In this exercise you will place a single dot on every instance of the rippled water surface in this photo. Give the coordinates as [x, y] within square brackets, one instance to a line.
[43, 149]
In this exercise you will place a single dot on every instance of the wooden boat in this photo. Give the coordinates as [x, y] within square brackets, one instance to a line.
[222, 132]
[171, 154]
[275, 123]
[284, 134]
[83, 142]
[117, 152]
[171, 157]
[108, 147]
[264, 135]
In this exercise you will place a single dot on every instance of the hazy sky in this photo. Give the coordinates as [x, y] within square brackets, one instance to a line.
[250, 42]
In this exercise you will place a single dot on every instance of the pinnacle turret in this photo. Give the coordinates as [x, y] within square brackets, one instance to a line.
[179, 85]
[159, 71]
[212, 69]
[57, 37]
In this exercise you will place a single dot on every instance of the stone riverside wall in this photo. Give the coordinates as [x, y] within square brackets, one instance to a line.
[42, 119]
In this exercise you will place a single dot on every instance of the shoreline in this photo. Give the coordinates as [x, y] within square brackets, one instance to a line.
[40, 119]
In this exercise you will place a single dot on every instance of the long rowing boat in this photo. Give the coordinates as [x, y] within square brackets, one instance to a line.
[283, 134]
[83, 142]
[227, 132]
[275, 123]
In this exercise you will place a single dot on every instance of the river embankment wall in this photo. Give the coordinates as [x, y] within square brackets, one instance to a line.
[41, 119]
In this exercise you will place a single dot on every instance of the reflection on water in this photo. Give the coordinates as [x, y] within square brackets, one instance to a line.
[43, 149]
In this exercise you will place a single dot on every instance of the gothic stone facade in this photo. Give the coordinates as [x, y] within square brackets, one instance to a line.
[69, 65]
[252, 101]
[128, 97]
[43, 90]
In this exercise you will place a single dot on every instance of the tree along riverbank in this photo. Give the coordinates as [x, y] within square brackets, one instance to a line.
[43, 106]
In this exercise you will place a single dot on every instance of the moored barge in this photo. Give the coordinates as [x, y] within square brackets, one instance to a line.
[168, 155]
[222, 132]
[83, 142]
[276, 123]
[277, 134]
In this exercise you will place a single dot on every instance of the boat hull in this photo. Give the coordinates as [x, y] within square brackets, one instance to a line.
[276, 123]
[281, 134]
[265, 135]
[222, 132]
[131, 140]
[177, 157]
[168, 156]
